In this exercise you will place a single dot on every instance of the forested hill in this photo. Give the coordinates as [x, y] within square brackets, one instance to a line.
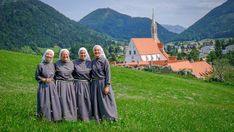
[218, 23]
[34, 23]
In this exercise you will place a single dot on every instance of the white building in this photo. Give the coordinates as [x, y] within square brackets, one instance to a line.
[144, 49]
[228, 49]
[207, 49]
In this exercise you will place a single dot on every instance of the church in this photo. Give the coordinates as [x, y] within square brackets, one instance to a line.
[146, 49]
[150, 51]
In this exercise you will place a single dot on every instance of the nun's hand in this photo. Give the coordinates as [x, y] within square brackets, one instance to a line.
[106, 90]
[43, 80]
[48, 80]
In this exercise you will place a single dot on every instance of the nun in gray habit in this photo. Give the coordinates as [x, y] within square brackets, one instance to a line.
[102, 96]
[65, 85]
[82, 78]
[48, 105]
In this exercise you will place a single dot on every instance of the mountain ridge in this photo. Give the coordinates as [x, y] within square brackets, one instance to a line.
[218, 23]
[122, 26]
[174, 28]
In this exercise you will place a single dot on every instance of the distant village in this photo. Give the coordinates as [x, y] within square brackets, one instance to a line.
[204, 47]
[186, 57]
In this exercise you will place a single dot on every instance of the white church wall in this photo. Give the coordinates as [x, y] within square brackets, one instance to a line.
[154, 57]
[148, 57]
[143, 57]
[132, 55]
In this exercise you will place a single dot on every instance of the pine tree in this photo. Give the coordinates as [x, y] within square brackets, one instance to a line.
[218, 49]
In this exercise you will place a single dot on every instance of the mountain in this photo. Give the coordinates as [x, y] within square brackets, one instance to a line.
[34, 23]
[121, 26]
[218, 23]
[174, 28]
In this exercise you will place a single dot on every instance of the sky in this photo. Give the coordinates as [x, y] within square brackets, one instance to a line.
[173, 12]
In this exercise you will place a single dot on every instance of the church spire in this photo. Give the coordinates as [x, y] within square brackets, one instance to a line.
[154, 33]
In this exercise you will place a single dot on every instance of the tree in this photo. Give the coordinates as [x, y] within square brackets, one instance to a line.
[194, 54]
[218, 49]
[211, 57]
[171, 50]
[222, 70]
[230, 57]
[112, 57]
[181, 56]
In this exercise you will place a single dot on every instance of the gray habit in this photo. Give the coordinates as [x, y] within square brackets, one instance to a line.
[48, 105]
[103, 106]
[65, 88]
[82, 78]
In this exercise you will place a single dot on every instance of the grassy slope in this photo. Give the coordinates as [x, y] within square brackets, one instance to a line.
[145, 101]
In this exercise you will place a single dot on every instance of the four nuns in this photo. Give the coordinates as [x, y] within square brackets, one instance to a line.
[75, 90]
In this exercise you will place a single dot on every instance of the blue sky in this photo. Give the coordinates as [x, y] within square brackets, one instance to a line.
[173, 12]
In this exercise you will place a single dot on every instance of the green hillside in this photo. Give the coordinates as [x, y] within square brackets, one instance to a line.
[145, 101]
[34, 23]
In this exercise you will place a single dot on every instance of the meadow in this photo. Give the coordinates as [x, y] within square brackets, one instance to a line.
[145, 101]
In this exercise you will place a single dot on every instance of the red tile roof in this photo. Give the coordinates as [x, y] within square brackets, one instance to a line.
[201, 68]
[159, 62]
[141, 63]
[160, 45]
[147, 46]
[180, 65]
[172, 58]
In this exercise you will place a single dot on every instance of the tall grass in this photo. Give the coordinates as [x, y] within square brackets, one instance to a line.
[145, 101]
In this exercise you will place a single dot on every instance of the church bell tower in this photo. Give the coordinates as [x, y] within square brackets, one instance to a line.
[154, 33]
